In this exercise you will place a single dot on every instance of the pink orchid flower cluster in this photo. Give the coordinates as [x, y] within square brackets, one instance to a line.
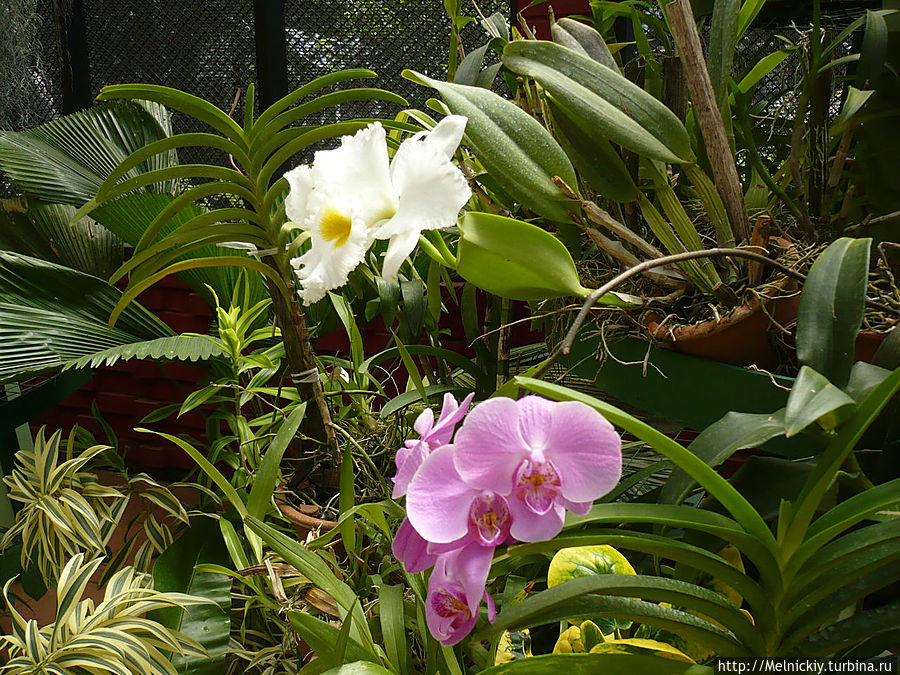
[510, 474]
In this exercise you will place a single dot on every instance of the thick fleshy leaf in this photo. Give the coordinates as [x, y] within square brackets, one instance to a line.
[831, 309]
[209, 624]
[518, 152]
[517, 260]
[813, 398]
[581, 38]
[590, 664]
[602, 99]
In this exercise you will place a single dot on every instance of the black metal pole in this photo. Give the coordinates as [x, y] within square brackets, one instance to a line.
[271, 51]
[71, 42]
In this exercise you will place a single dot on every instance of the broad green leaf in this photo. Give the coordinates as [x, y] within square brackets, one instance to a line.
[582, 561]
[359, 668]
[42, 230]
[831, 309]
[517, 151]
[581, 597]
[51, 316]
[832, 459]
[865, 625]
[735, 431]
[320, 575]
[209, 624]
[591, 664]
[815, 399]
[602, 99]
[872, 59]
[391, 617]
[516, 260]
[596, 160]
[748, 13]
[322, 636]
[65, 161]
[641, 646]
[584, 39]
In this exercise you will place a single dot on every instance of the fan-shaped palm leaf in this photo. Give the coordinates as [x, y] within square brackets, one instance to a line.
[65, 161]
[52, 316]
[42, 230]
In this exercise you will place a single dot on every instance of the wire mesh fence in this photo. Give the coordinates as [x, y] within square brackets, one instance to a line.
[209, 49]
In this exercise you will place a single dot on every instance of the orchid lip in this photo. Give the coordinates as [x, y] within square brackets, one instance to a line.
[538, 484]
[489, 519]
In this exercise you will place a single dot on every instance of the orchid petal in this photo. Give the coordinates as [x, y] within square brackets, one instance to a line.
[451, 414]
[531, 527]
[424, 422]
[437, 500]
[578, 508]
[398, 250]
[585, 449]
[447, 134]
[430, 190]
[455, 590]
[359, 172]
[408, 461]
[489, 446]
[300, 181]
[411, 549]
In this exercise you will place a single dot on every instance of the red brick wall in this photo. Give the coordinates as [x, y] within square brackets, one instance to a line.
[538, 17]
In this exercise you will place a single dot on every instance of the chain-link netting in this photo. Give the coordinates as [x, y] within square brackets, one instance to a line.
[208, 49]
[29, 68]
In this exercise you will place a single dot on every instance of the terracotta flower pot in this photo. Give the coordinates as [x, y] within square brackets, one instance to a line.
[741, 338]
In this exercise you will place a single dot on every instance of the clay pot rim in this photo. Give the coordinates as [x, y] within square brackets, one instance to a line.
[712, 327]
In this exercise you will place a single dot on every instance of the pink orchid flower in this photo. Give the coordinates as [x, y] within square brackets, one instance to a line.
[540, 457]
[455, 590]
[432, 436]
[411, 549]
[444, 509]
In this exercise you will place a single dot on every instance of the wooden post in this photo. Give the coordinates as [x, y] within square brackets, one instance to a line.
[71, 45]
[271, 51]
[687, 40]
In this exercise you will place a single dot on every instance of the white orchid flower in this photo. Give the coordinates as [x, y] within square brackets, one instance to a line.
[352, 195]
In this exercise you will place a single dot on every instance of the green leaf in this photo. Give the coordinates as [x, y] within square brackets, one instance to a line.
[831, 309]
[873, 53]
[584, 39]
[359, 668]
[42, 230]
[719, 441]
[177, 100]
[177, 348]
[266, 476]
[410, 397]
[391, 617]
[210, 623]
[591, 664]
[596, 159]
[51, 316]
[862, 626]
[517, 151]
[748, 13]
[602, 99]
[322, 637]
[833, 458]
[514, 259]
[577, 598]
[815, 399]
[65, 161]
[723, 37]
[574, 562]
[320, 575]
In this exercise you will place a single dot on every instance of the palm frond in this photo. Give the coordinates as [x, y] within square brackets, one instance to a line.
[65, 161]
[52, 316]
[41, 230]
